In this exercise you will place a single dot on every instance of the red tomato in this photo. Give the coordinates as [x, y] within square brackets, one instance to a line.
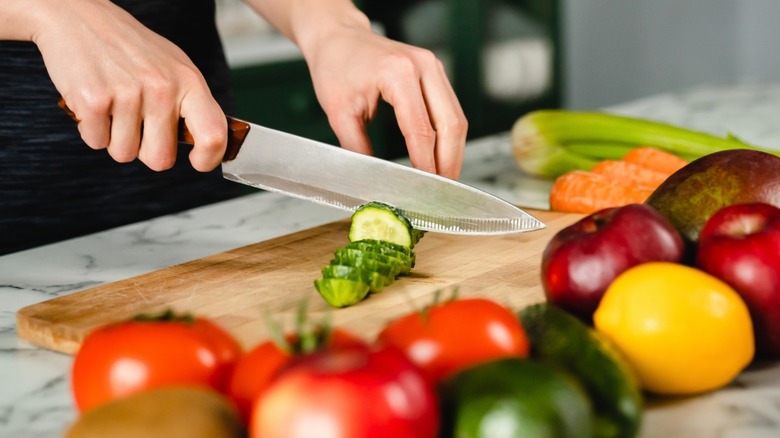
[457, 334]
[349, 393]
[132, 356]
[261, 364]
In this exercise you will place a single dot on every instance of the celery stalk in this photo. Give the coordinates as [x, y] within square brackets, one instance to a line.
[548, 143]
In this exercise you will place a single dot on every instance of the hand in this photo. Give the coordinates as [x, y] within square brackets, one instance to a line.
[352, 67]
[128, 86]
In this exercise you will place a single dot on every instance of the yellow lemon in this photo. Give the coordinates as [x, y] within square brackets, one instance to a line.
[683, 330]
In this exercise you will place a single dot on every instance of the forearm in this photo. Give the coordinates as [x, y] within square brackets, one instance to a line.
[20, 19]
[307, 21]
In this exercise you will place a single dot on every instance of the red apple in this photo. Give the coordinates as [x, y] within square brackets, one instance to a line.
[580, 261]
[740, 244]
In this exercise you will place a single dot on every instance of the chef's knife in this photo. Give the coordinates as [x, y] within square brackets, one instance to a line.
[281, 162]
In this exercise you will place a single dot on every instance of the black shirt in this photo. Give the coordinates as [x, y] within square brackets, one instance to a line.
[54, 187]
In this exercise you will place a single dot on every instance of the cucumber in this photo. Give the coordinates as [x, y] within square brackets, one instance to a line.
[385, 244]
[562, 340]
[376, 220]
[380, 249]
[368, 246]
[341, 292]
[374, 280]
[388, 256]
[417, 235]
[357, 255]
[383, 269]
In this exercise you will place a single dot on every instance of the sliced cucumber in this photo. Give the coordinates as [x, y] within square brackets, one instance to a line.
[376, 220]
[374, 280]
[387, 271]
[341, 292]
[403, 263]
[380, 248]
[367, 246]
[356, 255]
[417, 235]
[383, 243]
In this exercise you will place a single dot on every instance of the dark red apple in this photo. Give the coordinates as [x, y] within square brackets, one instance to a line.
[740, 244]
[581, 260]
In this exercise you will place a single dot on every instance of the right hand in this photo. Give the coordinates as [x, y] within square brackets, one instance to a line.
[118, 76]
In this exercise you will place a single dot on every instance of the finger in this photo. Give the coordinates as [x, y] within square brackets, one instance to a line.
[125, 129]
[412, 115]
[94, 121]
[95, 130]
[352, 133]
[158, 141]
[448, 121]
[208, 126]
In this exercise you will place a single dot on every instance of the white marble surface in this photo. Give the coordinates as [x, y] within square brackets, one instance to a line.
[34, 387]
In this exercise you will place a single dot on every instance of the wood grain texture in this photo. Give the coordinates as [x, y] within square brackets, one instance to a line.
[241, 288]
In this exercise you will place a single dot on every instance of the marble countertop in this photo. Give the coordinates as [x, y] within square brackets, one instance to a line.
[34, 386]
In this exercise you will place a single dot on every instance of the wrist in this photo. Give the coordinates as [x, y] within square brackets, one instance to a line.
[21, 20]
[314, 21]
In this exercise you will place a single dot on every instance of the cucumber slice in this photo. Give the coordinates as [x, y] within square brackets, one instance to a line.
[362, 245]
[383, 269]
[376, 220]
[356, 254]
[380, 248]
[384, 243]
[341, 292]
[374, 280]
[417, 235]
[367, 246]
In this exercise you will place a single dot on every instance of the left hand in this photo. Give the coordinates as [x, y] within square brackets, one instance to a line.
[353, 67]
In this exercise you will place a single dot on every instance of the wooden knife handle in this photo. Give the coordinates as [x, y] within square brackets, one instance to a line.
[237, 132]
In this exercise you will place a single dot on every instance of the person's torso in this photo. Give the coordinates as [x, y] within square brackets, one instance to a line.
[52, 186]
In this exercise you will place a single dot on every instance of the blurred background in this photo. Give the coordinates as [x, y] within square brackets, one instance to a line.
[508, 57]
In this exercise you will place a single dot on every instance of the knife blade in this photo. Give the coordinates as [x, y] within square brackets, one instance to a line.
[325, 174]
[277, 161]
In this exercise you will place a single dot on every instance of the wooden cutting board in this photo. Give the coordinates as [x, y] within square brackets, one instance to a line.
[242, 287]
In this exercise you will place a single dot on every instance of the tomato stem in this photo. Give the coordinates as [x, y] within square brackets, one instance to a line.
[306, 338]
[437, 300]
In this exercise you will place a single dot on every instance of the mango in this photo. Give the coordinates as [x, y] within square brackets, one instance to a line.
[690, 196]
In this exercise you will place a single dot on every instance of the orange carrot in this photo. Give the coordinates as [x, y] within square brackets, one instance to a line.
[655, 159]
[580, 191]
[630, 173]
[614, 183]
